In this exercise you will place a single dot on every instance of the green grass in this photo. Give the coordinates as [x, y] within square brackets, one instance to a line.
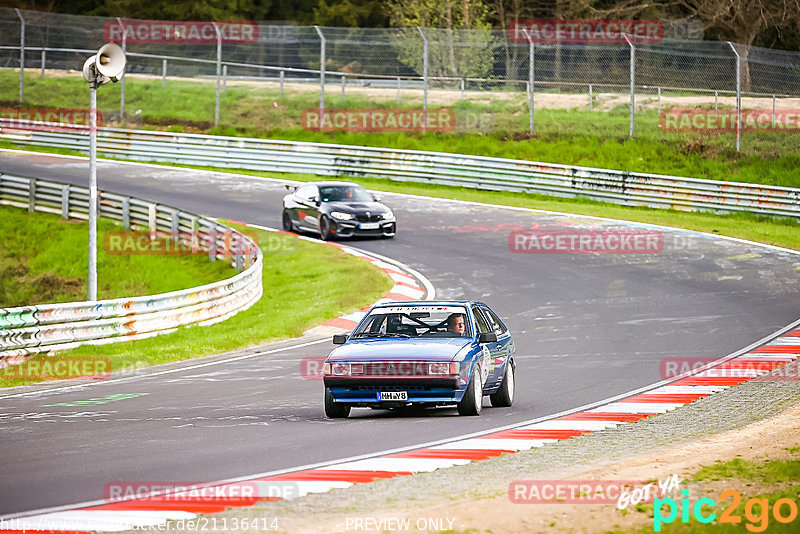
[45, 260]
[304, 285]
[498, 127]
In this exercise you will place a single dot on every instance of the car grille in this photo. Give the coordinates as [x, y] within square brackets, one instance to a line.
[361, 217]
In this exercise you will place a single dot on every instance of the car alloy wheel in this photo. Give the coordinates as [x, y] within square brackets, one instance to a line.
[325, 228]
[472, 401]
[504, 396]
[287, 222]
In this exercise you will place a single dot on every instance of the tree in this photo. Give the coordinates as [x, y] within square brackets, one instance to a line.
[451, 52]
[743, 21]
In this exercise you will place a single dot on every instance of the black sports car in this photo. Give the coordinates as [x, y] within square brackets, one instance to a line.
[336, 209]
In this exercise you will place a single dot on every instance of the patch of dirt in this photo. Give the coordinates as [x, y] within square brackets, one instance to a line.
[48, 285]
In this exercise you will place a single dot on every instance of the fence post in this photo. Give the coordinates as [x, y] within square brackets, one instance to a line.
[224, 78]
[65, 201]
[716, 102]
[773, 111]
[164, 73]
[126, 213]
[43, 62]
[659, 102]
[281, 91]
[424, 79]
[398, 90]
[122, 81]
[591, 98]
[633, 83]
[321, 76]
[531, 80]
[462, 89]
[21, 54]
[344, 82]
[31, 195]
[219, 72]
[738, 96]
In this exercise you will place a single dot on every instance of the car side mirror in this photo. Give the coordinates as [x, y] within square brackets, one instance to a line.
[339, 339]
[487, 337]
[315, 200]
[288, 187]
[376, 198]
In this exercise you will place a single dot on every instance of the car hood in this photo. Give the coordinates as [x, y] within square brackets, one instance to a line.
[399, 349]
[357, 207]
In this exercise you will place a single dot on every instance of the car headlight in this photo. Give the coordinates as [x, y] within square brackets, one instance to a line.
[388, 215]
[341, 215]
[443, 368]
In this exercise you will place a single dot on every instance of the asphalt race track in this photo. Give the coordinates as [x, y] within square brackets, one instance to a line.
[587, 327]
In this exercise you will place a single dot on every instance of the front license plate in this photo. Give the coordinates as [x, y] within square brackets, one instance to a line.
[368, 226]
[393, 396]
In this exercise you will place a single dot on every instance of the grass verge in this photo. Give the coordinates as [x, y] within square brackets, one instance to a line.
[304, 284]
[45, 260]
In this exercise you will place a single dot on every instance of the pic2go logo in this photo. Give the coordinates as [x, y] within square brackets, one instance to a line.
[756, 511]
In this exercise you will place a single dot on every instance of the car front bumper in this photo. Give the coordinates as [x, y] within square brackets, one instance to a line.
[353, 229]
[366, 391]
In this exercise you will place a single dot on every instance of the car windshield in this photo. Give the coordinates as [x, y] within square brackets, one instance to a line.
[344, 193]
[415, 321]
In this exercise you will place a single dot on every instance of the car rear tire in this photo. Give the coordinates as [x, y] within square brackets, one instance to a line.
[325, 228]
[472, 401]
[504, 396]
[287, 223]
[335, 410]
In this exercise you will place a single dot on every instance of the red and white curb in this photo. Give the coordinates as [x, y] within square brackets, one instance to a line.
[157, 509]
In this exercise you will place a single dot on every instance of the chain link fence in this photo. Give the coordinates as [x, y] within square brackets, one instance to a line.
[299, 77]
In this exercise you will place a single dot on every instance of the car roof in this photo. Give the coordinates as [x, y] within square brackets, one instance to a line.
[333, 182]
[431, 303]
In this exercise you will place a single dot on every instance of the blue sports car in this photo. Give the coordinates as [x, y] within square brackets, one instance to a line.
[421, 354]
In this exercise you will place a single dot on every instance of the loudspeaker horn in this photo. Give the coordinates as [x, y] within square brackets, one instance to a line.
[111, 61]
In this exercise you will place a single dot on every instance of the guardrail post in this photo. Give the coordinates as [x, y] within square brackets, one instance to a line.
[43, 62]
[738, 96]
[122, 81]
[424, 79]
[164, 73]
[126, 213]
[633, 84]
[65, 201]
[321, 76]
[31, 195]
[174, 225]
[219, 68]
[151, 220]
[21, 53]
[239, 262]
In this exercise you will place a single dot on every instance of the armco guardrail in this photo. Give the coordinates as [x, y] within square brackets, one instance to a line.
[29, 330]
[629, 188]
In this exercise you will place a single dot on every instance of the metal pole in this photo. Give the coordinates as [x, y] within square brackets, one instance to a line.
[93, 192]
[398, 90]
[738, 96]
[531, 89]
[424, 79]
[591, 98]
[321, 76]
[659, 102]
[122, 85]
[344, 82]
[633, 83]
[462, 89]
[281, 92]
[43, 62]
[716, 102]
[164, 73]
[773, 111]
[219, 72]
[21, 54]
[224, 78]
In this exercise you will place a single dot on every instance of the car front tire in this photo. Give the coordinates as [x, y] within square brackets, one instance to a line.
[504, 397]
[286, 221]
[325, 228]
[335, 410]
[472, 401]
